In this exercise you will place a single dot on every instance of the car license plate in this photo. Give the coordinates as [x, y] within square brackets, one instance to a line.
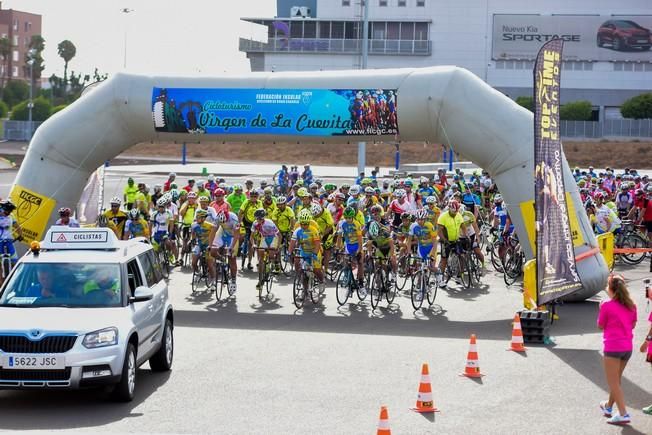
[34, 362]
[642, 41]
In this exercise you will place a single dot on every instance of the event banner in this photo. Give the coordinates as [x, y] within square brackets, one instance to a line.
[304, 112]
[556, 270]
[586, 37]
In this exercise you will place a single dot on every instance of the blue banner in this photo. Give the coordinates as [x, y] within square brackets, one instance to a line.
[297, 112]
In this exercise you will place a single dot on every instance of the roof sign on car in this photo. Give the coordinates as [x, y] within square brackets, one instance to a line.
[63, 237]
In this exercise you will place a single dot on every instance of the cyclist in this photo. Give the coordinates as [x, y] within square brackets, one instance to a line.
[380, 237]
[167, 185]
[190, 186]
[158, 193]
[451, 229]
[306, 238]
[203, 233]
[425, 235]
[7, 227]
[249, 186]
[115, 217]
[143, 200]
[402, 233]
[324, 221]
[269, 202]
[187, 216]
[246, 217]
[336, 207]
[282, 179]
[399, 206]
[136, 226]
[349, 236]
[472, 232]
[129, 195]
[203, 205]
[304, 201]
[236, 198]
[283, 217]
[211, 184]
[433, 211]
[65, 219]
[264, 235]
[161, 227]
[219, 204]
[227, 239]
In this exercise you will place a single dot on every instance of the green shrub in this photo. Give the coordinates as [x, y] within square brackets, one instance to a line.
[527, 102]
[3, 109]
[14, 92]
[58, 108]
[576, 111]
[40, 111]
[638, 107]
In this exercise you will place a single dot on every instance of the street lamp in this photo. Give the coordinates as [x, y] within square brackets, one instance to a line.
[126, 11]
[30, 105]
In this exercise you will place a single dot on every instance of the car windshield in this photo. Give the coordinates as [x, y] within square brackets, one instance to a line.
[627, 25]
[63, 285]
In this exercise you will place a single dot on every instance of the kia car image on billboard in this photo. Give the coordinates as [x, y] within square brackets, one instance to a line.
[623, 35]
[586, 37]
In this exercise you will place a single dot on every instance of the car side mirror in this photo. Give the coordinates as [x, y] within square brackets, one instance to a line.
[142, 294]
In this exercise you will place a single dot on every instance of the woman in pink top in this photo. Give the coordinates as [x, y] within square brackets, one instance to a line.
[646, 346]
[617, 319]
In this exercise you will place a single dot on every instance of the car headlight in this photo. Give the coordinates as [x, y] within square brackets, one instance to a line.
[102, 338]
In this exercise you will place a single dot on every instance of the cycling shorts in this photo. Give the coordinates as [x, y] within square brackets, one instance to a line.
[185, 231]
[351, 248]
[328, 242]
[196, 250]
[159, 236]
[6, 245]
[382, 250]
[311, 258]
[425, 251]
[223, 240]
[448, 247]
[269, 242]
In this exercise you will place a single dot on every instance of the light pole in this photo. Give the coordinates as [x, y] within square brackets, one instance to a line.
[362, 146]
[30, 105]
[125, 11]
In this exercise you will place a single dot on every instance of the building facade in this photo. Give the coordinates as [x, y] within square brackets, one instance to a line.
[607, 57]
[18, 27]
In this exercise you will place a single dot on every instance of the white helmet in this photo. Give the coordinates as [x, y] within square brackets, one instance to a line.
[498, 198]
[354, 190]
[422, 213]
[220, 217]
[373, 229]
[116, 200]
[423, 179]
[369, 189]
[400, 193]
[431, 200]
[161, 202]
[315, 209]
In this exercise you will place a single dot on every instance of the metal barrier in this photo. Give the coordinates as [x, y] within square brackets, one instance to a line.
[19, 130]
[630, 128]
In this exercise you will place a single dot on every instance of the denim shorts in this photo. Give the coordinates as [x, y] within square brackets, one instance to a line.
[624, 356]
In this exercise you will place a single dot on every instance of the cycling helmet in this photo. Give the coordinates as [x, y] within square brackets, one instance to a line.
[175, 195]
[386, 183]
[354, 190]
[598, 195]
[249, 181]
[431, 200]
[263, 183]
[281, 200]
[305, 216]
[340, 195]
[7, 206]
[161, 202]
[167, 197]
[349, 212]
[173, 186]
[267, 190]
[315, 209]
[64, 211]
[648, 188]
[405, 215]
[192, 195]
[172, 174]
[319, 181]
[201, 213]
[399, 193]
[211, 178]
[454, 205]
[115, 200]
[498, 198]
[345, 186]
[330, 186]
[237, 187]
[303, 192]
[204, 198]
[218, 192]
[422, 213]
[331, 197]
[260, 213]
[366, 181]
[255, 192]
[374, 229]
[157, 188]
[408, 182]
[134, 213]
[423, 180]
[370, 190]
[376, 209]
[299, 182]
[220, 217]
[313, 186]
[183, 193]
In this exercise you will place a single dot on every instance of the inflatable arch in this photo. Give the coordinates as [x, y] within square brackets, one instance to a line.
[440, 104]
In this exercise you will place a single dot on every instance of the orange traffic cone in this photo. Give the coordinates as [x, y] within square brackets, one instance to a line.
[517, 336]
[472, 369]
[383, 422]
[424, 398]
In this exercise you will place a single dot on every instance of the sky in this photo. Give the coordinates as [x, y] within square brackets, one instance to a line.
[164, 37]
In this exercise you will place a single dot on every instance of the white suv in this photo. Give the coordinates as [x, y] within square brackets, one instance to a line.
[84, 309]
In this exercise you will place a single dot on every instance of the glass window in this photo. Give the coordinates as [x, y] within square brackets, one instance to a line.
[407, 31]
[151, 267]
[382, 3]
[134, 276]
[421, 3]
[337, 30]
[325, 29]
[14, 71]
[421, 31]
[393, 30]
[401, 3]
[352, 30]
[15, 23]
[309, 29]
[15, 55]
[378, 30]
[16, 40]
[64, 285]
[346, 2]
[296, 29]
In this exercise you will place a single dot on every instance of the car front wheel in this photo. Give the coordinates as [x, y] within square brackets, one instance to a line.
[161, 361]
[124, 390]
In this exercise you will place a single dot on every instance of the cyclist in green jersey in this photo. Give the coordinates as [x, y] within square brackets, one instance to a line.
[236, 198]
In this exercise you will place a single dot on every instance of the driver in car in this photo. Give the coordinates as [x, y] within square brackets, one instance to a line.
[46, 286]
[103, 285]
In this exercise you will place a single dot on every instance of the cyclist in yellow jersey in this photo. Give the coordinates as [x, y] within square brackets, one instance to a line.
[349, 237]
[472, 231]
[433, 210]
[246, 217]
[187, 215]
[204, 233]
[283, 217]
[116, 218]
[304, 202]
[143, 200]
[451, 229]
[326, 226]
[306, 238]
[130, 193]
[136, 226]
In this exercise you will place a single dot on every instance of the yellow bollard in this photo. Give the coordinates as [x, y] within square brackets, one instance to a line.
[530, 285]
[606, 244]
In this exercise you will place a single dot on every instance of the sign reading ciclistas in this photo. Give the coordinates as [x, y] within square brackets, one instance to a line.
[306, 112]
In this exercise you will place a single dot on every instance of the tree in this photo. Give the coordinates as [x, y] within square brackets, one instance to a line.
[15, 92]
[67, 51]
[576, 111]
[527, 102]
[3, 110]
[37, 44]
[5, 52]
[40, 112]
[638, 107]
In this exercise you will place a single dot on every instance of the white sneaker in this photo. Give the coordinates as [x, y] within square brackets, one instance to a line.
[232, 287]
[441, 280]
[322, 288]
[363, 292]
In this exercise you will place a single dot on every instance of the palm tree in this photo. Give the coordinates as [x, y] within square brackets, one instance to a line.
[5, 52]
[67, 51]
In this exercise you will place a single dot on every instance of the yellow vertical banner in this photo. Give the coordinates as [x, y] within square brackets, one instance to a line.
[33, 211]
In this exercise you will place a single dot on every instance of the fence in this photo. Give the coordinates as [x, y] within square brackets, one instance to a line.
[19, 130]
[635, 128]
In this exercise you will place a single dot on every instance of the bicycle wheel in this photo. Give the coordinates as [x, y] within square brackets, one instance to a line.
[510, 273]
[416, 295]
[452, 268]
[165, 257]
[196, 278]
[368, 272]
[465, 271]
[226, 279]
[402, 275]
[262, 269]
[269, 279]
[376, 288]
[390, 288]
[298, 290]
[431, 292]
[495, 258]
[286, 264]
[219, 280]
[633, 240]
[312, 289]
[476, 268]
[161, 260]
[343, 285]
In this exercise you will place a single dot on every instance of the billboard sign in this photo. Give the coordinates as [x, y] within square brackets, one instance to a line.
[296, 112]
[586, 37]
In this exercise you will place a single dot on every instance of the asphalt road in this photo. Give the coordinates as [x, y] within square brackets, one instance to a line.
[243, 366]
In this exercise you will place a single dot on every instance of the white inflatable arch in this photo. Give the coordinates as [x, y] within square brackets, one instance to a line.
[440, 104]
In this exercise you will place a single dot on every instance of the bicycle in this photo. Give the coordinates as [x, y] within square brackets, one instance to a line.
[7, 264]
[304, 282]
[162, 255]
[265, 274]
[285, 257]
[380, 282]
[407, 266]
[222, 275]
[629, 237]
[184, 240]
[201, 271]
[459, 264]
[244, 246]
[422, 287]
[346, 282]
[513, 261]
